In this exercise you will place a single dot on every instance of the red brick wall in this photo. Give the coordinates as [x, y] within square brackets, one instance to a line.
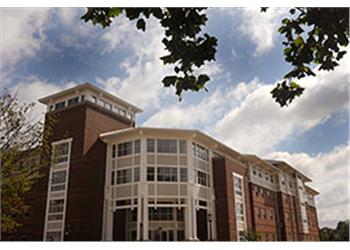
[314, 232]
[84, 122]
[264, 212]
[289, 216]
[224, 195]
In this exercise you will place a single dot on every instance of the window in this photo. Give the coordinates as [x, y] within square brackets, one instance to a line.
[150, 145]
[53, 236]
[137, 147]
[136, 174]
[202, 178]
[200, 152]
[59, 177]
[239, 211]
[56, 206]
[60, 105]
[73, 101]
[254, 172]
[82, 98]
[112, 178]
[166, 146]
[162, 213]
[125, 148]
[114, 149]
[94, 99]
[180, 214]
[124, 176]
[58, 187]
[60, 153]
[55, 217]
[128, 115]
[183, 174]
[260, 175]
[183, 147]
[166, 174]
[238, 185]
[150, 173]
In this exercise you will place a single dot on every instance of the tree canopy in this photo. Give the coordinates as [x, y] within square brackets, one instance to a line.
[340, 233]
[313, 37]
[22, 151]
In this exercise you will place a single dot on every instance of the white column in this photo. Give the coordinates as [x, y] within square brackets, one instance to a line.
[139, 218]
[108, 215]
[194, 220]
[188, 222]
[145, 219]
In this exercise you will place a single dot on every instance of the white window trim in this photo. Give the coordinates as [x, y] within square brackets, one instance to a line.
[69, 140]
[243, 202]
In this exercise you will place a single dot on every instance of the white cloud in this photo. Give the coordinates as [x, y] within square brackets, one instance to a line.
[143, 68]
[261, 27]
[205, 113]
[330, 175]
[33, 88]
[22, 33]
[258, 124]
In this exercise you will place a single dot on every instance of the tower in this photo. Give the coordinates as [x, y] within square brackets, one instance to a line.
[73, 203]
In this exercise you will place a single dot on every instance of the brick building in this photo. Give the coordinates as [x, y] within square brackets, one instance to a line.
[109, 180]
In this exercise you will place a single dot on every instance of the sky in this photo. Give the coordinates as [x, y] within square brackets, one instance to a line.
[45, 50]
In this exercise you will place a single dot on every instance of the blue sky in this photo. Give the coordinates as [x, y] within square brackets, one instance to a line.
[47, 50]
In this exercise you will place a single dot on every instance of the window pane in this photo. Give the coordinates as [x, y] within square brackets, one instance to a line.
[124, 176]
[167, 174]
[200, 152]
[161, 213]
[60, 153]
[150, 145]
[59, 177]
[125, 148]
[150, 173]
[114, 149]
[53, 236]
[58, 187]
[183, 174]
[137, 146]
[56, 206]
[59, 105]
[136, 174]
[166, 146]
[183, 147]
[73, 101]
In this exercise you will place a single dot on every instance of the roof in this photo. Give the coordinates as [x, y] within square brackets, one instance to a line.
[195, 134]
[91, 87]
[288, 168]
[255, 160]
[311, 190]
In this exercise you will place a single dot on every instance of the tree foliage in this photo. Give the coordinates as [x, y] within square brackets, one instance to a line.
[340, 233]
[313, 36]
[250, 235]
[188, 48]
[22, 147]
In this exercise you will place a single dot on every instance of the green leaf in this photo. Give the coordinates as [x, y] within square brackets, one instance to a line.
[114, 12]
[169, 80]
[141, 25]
[299, 41]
